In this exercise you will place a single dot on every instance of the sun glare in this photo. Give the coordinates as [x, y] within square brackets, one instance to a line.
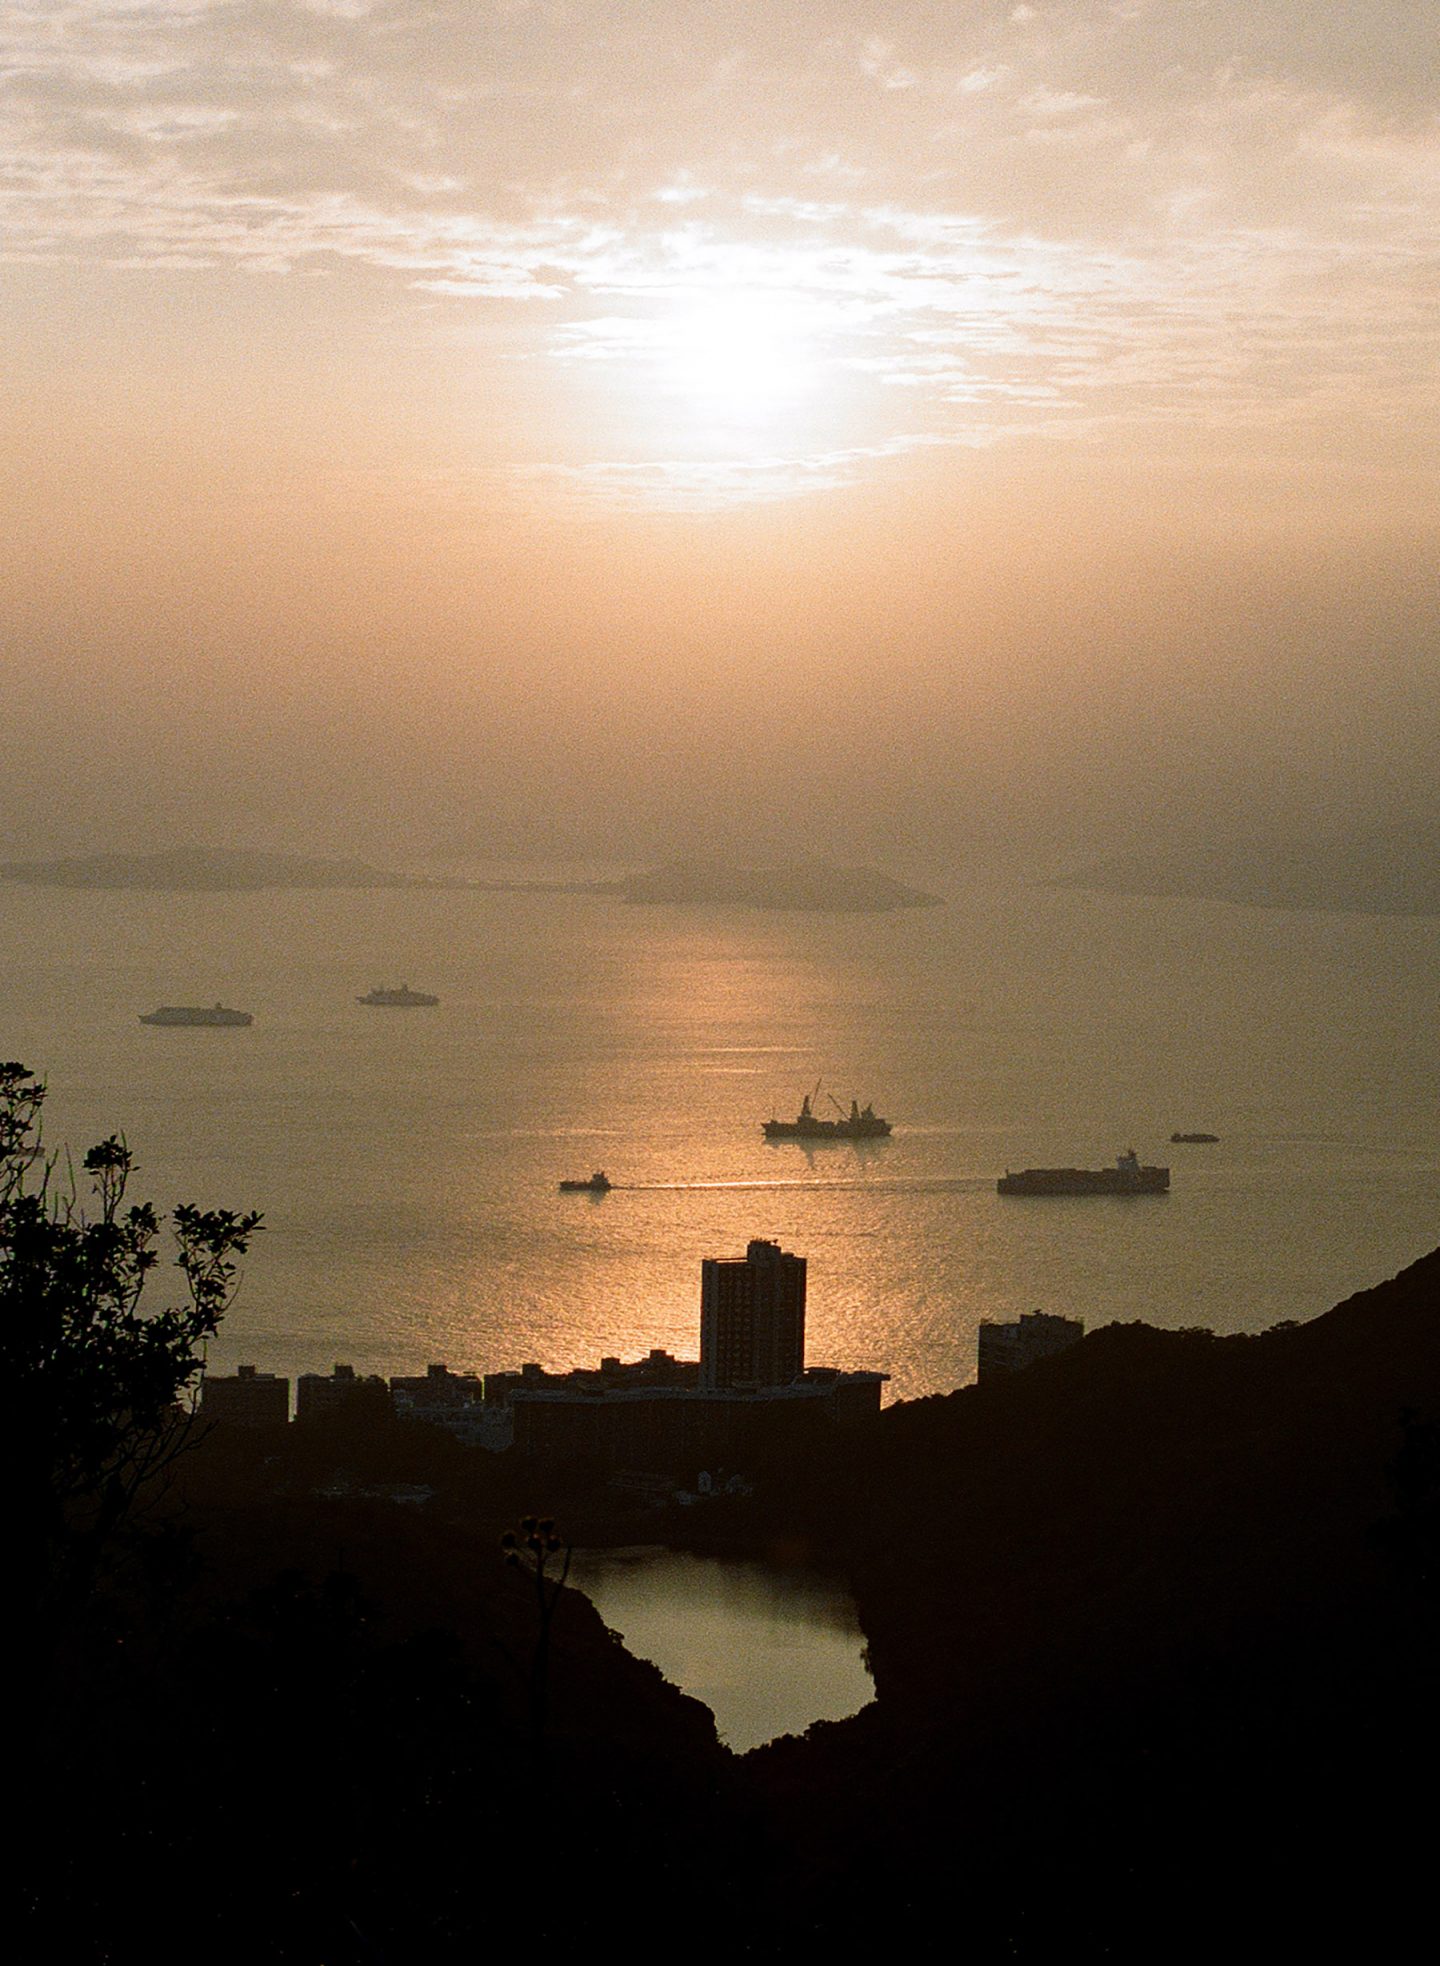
[741, 357]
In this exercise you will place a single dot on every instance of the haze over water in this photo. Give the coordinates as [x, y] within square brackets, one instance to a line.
[407, 1162]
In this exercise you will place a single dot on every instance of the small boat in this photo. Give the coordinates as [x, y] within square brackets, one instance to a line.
[402, 999]
[1193, 1139]
[598, 1184]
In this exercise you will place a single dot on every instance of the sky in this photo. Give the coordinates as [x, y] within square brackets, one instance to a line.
[586, 425]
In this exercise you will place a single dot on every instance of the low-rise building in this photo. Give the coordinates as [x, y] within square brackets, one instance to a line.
[658, 1368]
[438, 1390]
[680, 1428]
[1035, 1334]
[455, 1401]
[344, 1391]
[248, 1399]
[480, 1423]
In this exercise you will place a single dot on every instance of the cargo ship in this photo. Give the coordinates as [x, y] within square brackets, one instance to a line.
[598, 1184]
[860, 1123]
[1193, 1139]
[185, 1013]
[402, 999]
[1126, 1177]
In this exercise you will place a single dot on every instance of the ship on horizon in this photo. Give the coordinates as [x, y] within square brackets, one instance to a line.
[1127, 1177]
[860, 1123]
[402, 999]
[186, 1013]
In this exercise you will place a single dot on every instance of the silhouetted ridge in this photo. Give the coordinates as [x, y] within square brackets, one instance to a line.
[1153, 1629]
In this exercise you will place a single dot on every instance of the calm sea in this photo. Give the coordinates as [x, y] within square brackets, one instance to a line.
[407, 1162]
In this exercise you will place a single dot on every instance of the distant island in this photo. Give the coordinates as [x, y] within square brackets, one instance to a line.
[215, 870]
[1394, 872]
[813, 885]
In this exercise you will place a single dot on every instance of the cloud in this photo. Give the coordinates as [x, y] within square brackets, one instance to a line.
[877, 60]
[705, 484]
[1096, 211]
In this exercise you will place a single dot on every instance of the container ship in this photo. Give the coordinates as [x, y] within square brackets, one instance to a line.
[1126, 1177]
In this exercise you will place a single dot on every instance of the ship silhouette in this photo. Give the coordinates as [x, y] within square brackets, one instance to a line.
[1127, 1177]
[860, 1123]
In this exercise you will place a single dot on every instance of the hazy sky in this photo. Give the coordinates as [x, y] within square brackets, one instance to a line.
[586, 420]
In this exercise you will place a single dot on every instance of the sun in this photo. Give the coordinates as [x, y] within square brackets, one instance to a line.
[738, 357]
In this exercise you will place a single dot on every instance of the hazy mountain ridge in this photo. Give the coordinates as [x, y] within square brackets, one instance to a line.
[1394, 872]
[810, 885]
[199, 869]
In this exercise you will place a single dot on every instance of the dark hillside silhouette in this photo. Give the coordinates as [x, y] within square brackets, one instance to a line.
[256, 1720]
[1153, 1624]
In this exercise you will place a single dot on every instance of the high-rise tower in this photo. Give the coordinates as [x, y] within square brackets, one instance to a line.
[752, 1318]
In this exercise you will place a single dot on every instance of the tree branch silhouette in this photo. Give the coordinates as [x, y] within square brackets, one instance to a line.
[97, 1393]
[534, 1550]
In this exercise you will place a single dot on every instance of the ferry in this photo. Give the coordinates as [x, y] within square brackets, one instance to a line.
[185, 1013]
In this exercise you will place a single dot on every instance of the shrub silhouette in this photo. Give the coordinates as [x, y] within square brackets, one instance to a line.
[96, 1392]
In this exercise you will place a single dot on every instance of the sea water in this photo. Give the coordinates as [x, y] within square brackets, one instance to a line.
[770, 1648]
[407, 1161]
